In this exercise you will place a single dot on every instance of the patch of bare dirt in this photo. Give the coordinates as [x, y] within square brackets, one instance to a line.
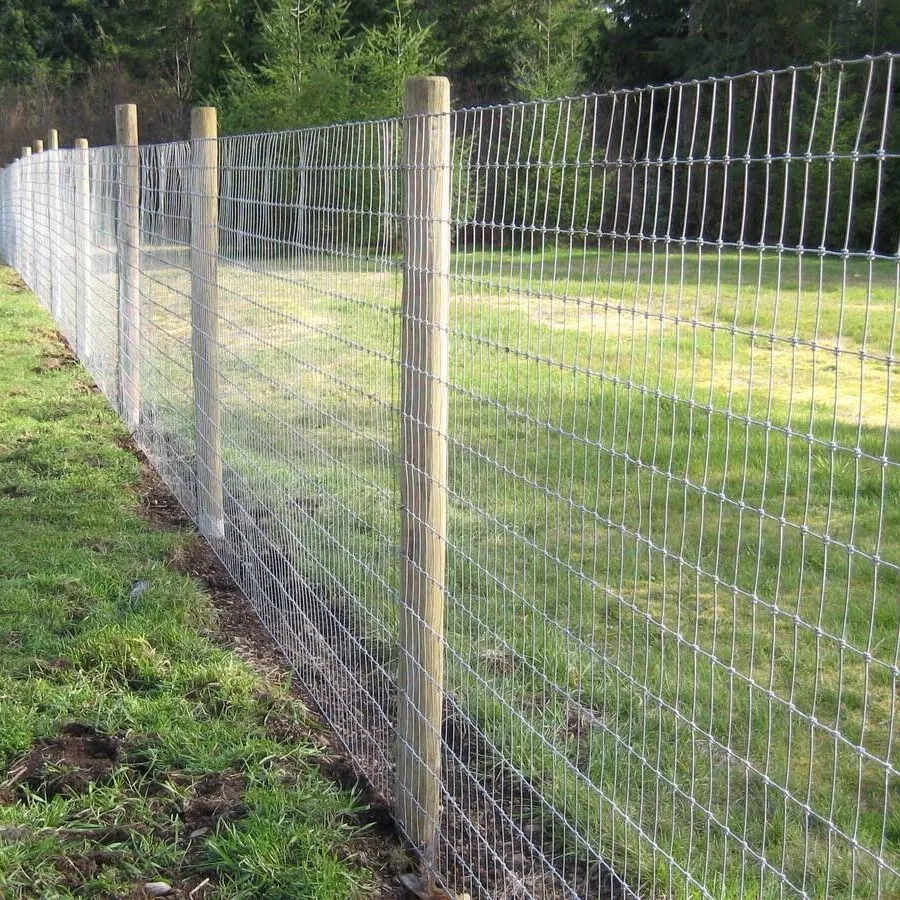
[157, 503]
[218, 797]
[15, 284]
[68, 764]
[52, 364]
[62, 356]
[79, 868]
[196, 560]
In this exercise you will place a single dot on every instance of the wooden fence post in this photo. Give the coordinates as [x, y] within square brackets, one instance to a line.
[424, 411]
[204, 319]
[129, 265]
[82, 250]
[38, 218]
[53, 223]
[25, 192]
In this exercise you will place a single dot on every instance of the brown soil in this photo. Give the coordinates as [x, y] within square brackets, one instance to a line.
[15, 284]
[78, 869]
[68, 764]
[61, 357]
[158, 505]
[218, 797]
[53, 364]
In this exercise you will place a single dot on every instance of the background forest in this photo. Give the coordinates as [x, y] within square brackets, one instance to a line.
[274, 64]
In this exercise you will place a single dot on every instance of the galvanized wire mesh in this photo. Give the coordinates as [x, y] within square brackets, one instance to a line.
[673, 583]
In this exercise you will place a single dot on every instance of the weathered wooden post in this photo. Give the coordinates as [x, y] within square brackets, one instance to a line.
[38, 219]
[205, 319]
[53, 223]
[83, 327]
[25, 191]
[129, 265]
[424, 411]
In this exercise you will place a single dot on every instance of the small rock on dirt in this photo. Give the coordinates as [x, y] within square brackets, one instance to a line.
[158, 889]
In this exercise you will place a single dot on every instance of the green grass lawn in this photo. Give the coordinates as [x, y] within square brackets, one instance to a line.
[132, 747]
[673, 573]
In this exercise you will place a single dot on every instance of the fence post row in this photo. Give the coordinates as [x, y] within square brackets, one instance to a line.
[129, 363]
[423, 488]
[204, 319]
[82, 215]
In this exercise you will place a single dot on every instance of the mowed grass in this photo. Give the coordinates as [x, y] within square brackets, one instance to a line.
[105, 652]
[673, 593]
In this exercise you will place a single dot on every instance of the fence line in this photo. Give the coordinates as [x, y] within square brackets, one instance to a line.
[620, 530]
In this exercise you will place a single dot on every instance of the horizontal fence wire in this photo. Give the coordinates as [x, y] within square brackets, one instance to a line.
[672, 621]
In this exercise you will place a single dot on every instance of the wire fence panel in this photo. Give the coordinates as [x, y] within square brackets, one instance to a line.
[672, 626]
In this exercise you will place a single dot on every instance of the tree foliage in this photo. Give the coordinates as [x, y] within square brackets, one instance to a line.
[315, 67]
[653, 41]
[308, 59]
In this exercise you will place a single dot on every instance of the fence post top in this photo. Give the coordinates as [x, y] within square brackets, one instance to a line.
[53, 139]
[38, 146]
[26, 151]
[81, 143]
[203, 122]
[440, 81]
[426, 94]
[126, 124]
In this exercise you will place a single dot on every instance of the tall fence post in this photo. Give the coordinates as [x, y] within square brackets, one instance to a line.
[25, 192]
[82, 216]
[38, 217]
[424, 411]
[53, 223]
[205, 319]
[129, 264]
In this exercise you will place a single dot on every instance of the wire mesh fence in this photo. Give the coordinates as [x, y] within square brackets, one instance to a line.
[671, 626]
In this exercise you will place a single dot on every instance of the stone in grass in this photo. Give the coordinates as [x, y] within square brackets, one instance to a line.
[138, 589]
[158, 889]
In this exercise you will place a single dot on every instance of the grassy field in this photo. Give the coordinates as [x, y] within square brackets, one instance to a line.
[133, 749]
[673, 584]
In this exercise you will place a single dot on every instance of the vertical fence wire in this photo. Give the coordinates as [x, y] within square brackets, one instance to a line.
[672, 652]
